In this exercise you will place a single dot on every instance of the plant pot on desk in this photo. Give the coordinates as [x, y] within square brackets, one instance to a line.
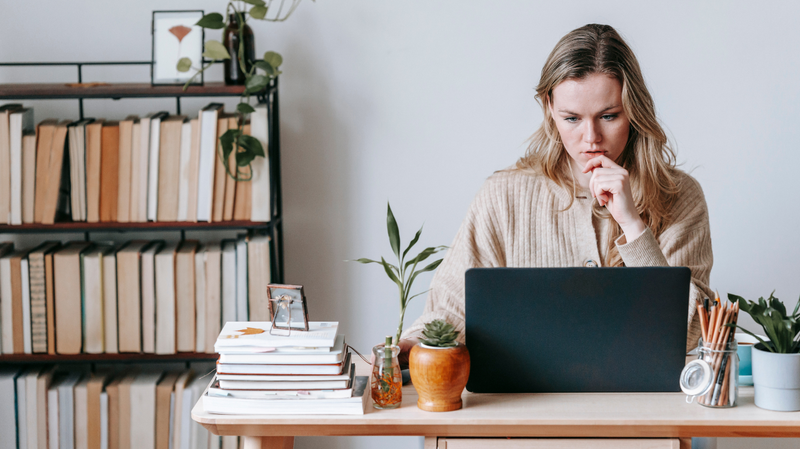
[776, 378]
[439, 376]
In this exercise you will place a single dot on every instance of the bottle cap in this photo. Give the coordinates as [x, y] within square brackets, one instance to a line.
[696, 379]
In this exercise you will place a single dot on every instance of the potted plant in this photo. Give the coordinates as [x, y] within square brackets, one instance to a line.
[776, 361]
[439, 368]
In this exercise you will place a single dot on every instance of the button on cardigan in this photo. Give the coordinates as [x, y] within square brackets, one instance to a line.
[518, 219]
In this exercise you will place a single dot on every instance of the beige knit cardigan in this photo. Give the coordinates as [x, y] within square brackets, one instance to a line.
[517, 220]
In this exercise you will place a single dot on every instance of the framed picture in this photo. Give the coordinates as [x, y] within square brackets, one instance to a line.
[175, 36]
[288, 307]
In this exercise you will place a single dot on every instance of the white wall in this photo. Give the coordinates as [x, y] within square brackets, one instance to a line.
[417, 102]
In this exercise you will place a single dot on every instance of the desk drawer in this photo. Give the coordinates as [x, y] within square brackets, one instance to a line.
[558, 443]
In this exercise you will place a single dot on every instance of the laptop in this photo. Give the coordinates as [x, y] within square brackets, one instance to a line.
[559, 330]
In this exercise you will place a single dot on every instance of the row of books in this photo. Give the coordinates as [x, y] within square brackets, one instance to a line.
[142, 296]
[155, 168]
[46, 408]
[269, 371]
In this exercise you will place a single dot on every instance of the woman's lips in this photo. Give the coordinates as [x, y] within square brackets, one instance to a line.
[595, 153]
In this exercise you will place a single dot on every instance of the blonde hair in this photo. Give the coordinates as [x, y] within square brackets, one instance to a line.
[649, 160]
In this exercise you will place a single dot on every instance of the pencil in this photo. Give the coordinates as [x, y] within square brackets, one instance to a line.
[702, 317]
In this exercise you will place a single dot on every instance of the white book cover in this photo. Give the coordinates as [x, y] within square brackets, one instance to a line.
[316, 385]
[72, 146]
[93, 301]
[80, 133]
[104, 420]
[256, 333]
[81, 414]
[7, 330]
[183, 182]
[165, 299]
[260, 183]
[279, 378]
[140, 170]
[31, 408]
[200, 299]
[53, 426]
[303, 369]
[280, 395]
[152, 175]
[26, 306]
[213, 262]
[188, 400]
[171, 417]
[228, 281]
[143, 410]
[208, 160]
[66, 408]
[19, 122]
[22, 409]
[110, 342]
[148, 283]
[177, 431]
[199, 434]
[335, 355]
[241, 279]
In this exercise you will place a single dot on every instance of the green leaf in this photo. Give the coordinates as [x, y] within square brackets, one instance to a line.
[424, 254]
[394, 231]
[252, 144]
[263, 65]
[226, 140]
[364, 260]
[243, 158]
[184, 64]
[273, 59]
[216, 51]
[430, 267]
[413, 241]
[255, 2]
[245, 108]
[258, 12]
[388, 268]
[212, 21]
[256, 83]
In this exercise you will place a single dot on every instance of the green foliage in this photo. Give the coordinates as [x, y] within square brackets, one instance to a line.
[440, 333]
[246, 148]
[781, 328]
[404, 273]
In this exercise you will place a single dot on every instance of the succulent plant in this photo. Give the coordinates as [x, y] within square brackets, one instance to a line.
[440, 334]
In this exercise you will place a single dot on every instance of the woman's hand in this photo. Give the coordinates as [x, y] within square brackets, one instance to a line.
[405, 348]
[612, 188]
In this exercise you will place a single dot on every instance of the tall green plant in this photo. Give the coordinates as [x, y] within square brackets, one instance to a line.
[247, 147]
[405, 272]
[782, 329]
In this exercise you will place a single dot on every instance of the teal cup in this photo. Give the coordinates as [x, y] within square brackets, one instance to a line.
[745, 353]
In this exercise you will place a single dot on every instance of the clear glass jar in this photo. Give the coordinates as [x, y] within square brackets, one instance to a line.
[387, 380]
[712, 378]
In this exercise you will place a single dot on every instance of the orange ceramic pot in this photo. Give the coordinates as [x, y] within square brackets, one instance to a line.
[439, 376]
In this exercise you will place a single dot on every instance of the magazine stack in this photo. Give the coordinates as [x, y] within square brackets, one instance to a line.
[284, 372]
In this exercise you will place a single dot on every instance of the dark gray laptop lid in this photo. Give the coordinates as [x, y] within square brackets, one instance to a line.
[532, 330]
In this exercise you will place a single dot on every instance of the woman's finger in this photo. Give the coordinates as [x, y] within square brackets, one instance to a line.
[599, 161]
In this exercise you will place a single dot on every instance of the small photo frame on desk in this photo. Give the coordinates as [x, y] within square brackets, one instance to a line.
[288, 307]
[176, 36]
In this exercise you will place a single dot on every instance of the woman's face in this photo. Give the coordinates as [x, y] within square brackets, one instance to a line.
[589, 117]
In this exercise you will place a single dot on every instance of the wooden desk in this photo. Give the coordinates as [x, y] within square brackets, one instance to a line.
[602, 415]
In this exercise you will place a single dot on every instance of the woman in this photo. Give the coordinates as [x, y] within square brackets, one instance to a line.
[598, 186]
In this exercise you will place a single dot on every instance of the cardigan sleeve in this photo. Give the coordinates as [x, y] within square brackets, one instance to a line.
[478, 243]
[685, 243]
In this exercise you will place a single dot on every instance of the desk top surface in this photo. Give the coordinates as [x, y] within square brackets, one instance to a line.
[534, 415]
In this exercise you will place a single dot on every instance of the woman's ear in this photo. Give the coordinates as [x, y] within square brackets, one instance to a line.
[548, 103]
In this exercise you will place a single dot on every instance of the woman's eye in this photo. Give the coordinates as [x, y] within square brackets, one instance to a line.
[609, 117]
[571, 119]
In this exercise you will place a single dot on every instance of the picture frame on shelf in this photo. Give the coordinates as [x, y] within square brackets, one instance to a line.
[175, 36]
[288, 307]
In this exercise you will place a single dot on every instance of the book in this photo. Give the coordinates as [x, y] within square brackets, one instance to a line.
[52, 413]
[181, 420]
[256, 334]
[129, 296]
[67, 265]
[43, 383]
[95, 408]
[317, 369]
[148, 281]
[193, 169]
[259, 276]
[153, 159]
[183, 171]
[209, 117]
[31, 408]
[50, 297]
[55, 198]
[143, 410]
[136, 149]
[241, 278]
[20, 121]
[185, 296]
[66, 407]
[44, 142]
[260, 187]
[94, 156]
[353, 405]
[109, 172]
[94, 318]
[110, 342]
[220, 173]
[8, 412]
[76, 133]
[112, 390]
[26, 305]
[11, 302]
[5, 288]
[335, 355]
[165, 300]
[126, 411]
[280, 380]
[280, 395]
[28, 176]
[169, 168]
[38, 291]
[140, 169]
[200, 299]
[229, 281]
[230, 181]
[213, 261]
[198, 433]
[21, 399]
[5, 162]
[163, 413]
[104, 424]
[242, 208]
[81, 414]
[126, 140]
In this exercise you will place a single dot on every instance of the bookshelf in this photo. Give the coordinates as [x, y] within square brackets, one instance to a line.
[77, 90]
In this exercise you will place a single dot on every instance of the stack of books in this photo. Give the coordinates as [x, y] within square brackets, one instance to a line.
[295, 373]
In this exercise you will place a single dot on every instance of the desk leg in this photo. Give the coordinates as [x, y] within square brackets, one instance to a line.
[431, 443]
[268, 442]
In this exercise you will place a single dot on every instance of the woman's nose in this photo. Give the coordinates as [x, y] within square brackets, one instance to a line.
[591, 134]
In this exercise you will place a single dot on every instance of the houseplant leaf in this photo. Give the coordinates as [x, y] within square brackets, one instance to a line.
[212, 21]
[413, 241]
[256, 83]
[244, 108]
[258, 12]
[252, 144]
[216, 51]
[184, 64]
[273, 59]
[255, 2]
[394, 231]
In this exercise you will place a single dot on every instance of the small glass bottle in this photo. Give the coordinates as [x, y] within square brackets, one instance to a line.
[233, 72]
[713, 378]
[387, 380]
